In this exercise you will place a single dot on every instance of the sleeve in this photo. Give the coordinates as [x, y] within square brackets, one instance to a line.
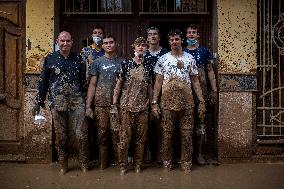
[43, 84]
[209, 57]
[84, 55]
[93, 69]
[193, 67]
[158, 69]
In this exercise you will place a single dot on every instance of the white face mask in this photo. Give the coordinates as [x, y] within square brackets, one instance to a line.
[97, 40]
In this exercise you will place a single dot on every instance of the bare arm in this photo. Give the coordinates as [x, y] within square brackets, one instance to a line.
[157, 87]
[196, 87]
[116, 91]
[211, 76]
[91, 91]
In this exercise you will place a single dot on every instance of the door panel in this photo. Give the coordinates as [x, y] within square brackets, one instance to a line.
[11, 74]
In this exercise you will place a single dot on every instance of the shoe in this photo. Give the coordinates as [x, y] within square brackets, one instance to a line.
[200, 160]
[123, 171]
[64, 167]
[138, 169]
[167, 165]
[84, 168]
[186, 167]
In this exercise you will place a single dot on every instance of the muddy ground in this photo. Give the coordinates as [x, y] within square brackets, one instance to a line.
[246, 175]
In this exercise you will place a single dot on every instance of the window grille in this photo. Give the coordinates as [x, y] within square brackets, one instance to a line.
[270, 100]
[97, 7]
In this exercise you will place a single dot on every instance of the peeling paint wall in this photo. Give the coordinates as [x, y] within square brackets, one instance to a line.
[237, 36]
[39, 32]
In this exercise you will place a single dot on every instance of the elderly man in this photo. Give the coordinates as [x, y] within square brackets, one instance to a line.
[63, 76]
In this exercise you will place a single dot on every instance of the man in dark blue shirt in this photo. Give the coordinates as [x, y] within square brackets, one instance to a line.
[63, 76]
[207, 79]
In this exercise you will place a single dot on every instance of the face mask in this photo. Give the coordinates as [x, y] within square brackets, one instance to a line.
[97, 40]
[191, 42]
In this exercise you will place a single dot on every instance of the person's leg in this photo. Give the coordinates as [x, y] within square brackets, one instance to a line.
[168, 124]
[60, 121]
[103, 126]
[186, 130]
[140, 137]
[125, 138]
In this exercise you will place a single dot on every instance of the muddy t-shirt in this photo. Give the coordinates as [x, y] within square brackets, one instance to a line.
[203, 57]
[106, 70]
[176, 88]
[136, 79]
[64, 79]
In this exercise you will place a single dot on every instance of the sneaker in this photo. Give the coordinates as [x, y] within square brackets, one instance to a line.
[186, 167]
[123, 171]
[167, 165]
[138, 168]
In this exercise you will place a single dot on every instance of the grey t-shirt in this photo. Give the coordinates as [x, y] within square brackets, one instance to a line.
[106, 70]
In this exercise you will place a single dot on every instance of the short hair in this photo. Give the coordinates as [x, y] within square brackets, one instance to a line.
[175, 32]
[99, 27]
[153, 28]
[108, 35]
[139, 40]
[193, 26]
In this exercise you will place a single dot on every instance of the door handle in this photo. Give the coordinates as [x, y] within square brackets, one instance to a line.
[2, 97]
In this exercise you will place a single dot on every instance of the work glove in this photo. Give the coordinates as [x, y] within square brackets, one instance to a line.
[35, 109]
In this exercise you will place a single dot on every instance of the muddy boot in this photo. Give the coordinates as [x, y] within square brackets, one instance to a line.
[199, 157]
[167, 165]
[63, 166]
[103, 157]
[186, 166]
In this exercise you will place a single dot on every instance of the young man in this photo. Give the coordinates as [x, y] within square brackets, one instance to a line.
[64, 76]
[95, 50]
[134, 85]
[176, 71]
[207, 79]
[154, 52]
[103, 76]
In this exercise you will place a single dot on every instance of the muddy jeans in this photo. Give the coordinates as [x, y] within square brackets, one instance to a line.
[184, 119]
[102, 116]
[67, 124]
[133, 126]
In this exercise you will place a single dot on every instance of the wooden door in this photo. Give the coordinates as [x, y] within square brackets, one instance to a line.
[11, 84]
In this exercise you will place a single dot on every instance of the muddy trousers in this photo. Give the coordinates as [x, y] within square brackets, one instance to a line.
[184, 119]
[133, 126]
[105, 132]
[69, 124]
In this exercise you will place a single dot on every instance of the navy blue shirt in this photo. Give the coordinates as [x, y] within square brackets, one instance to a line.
[201, 55]
[64, 80]
[153, 58]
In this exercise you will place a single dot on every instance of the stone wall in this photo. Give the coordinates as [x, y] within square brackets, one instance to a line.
[237, 50]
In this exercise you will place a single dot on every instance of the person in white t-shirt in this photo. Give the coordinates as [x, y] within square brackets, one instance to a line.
[176, 72]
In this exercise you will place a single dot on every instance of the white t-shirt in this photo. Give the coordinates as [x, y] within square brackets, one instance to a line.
[169, 66]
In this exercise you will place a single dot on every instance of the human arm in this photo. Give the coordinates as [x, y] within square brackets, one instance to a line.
[198, 91]
[212, 79]
[156, 92]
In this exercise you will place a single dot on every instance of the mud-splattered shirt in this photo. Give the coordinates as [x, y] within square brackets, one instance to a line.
[88, 53]
[136, 78]
[176, 88]
[106, 71]
[154, 57]
[203, 57]
[64, 80]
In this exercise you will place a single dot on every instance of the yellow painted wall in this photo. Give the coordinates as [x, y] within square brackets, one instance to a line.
[237, 36]
[39, 32]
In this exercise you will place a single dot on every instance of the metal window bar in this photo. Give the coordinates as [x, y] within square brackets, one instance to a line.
[186, 7]
[81, 7]
[270, 122]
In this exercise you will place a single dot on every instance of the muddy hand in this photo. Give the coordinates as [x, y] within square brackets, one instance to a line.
[35, 109]
[89, 113]
[156, 111]
[113, 109]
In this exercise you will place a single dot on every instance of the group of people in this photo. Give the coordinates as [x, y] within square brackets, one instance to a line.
[129, 98]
